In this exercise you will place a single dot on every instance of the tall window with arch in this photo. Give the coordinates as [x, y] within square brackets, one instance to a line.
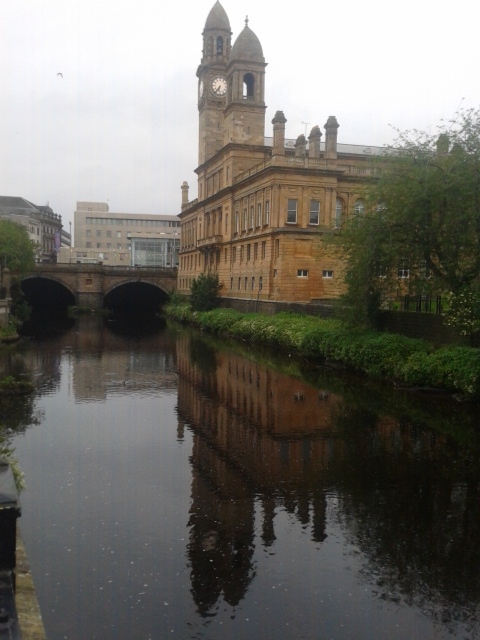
[338, 213]
[248, 86]
[219, 45]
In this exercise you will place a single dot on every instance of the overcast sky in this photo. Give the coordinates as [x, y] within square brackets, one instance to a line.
[121, 125]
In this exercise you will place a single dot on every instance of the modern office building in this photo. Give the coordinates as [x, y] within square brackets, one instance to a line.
[128, 239]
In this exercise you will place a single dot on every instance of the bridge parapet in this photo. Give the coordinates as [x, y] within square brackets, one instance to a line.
[102, 268]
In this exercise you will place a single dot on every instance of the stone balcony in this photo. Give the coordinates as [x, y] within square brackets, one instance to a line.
[209, 243]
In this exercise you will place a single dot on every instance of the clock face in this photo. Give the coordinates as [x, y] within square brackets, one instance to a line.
[219, 86]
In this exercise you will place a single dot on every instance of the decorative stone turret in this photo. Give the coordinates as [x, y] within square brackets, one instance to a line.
[331, 131]
[314, 142]
[184, 193]
[245, 107]
[300, 146]
[279, 134]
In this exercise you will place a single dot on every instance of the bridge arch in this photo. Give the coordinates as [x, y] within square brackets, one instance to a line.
[135, 296]
[127, 281]
[47, 293]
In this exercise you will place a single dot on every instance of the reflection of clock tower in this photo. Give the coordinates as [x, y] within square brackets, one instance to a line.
[212, 84]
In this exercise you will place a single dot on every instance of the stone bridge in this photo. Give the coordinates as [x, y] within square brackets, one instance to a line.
[89, 284]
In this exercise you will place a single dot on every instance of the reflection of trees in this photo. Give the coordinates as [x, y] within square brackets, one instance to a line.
[411, 502]
[17, 412]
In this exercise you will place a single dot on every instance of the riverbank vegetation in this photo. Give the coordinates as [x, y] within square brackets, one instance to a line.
[403, 361]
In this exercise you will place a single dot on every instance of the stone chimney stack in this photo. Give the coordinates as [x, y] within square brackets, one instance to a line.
[184, 193]
[331, 130]
[300, 146]
[279, 134]
[314, 142]
[443, 144]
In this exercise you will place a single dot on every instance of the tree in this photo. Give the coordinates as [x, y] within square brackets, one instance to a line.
[204, 292]
[421, 231]
[16, 248]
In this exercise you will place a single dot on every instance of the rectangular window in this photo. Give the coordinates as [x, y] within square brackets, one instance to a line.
[252, 213]
[277, 248]
[292, 211]
[244, 221]
[314, 211]
[231, 283]
[119, 234]
[237, 221]
[259, 214]
[246, 283]
[253, 283]
[109, 234]
[99, 233]
[264, 250]
[326, 273]
[241, 254]
[99, 244]
[302, 273]
[267, 212]
[260, 283]
[88, 245]
[403, 271]
[255, 251]
[234, 254]
[248, 252]
[239, 284]
[89, 232]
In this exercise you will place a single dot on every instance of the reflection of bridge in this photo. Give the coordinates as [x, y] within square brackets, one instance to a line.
[89, 284]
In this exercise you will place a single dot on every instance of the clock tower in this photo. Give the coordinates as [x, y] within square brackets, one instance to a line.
[212, 82]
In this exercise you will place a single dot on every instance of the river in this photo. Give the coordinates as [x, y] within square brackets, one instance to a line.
[182, 487]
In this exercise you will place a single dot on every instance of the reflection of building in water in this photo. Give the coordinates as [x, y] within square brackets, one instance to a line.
[102, 365]
[104, 369]
[257, 441]
[264, 442]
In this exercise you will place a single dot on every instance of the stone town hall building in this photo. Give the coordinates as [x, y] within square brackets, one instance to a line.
[264, 204]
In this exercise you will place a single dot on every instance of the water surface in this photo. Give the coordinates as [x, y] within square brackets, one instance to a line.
[179, 487]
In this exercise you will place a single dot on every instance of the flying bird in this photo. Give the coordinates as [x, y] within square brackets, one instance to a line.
[60, 74]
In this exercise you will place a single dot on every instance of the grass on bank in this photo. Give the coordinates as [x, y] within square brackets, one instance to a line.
[404, 361]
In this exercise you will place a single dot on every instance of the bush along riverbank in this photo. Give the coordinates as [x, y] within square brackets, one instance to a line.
[403, 361]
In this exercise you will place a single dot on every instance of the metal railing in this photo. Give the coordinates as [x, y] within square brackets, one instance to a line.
[423, 304]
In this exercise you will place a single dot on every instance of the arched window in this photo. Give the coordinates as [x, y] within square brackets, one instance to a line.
[209, 46]
[219, 45]
[359, 208]
[248, 86]
[338, 212]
